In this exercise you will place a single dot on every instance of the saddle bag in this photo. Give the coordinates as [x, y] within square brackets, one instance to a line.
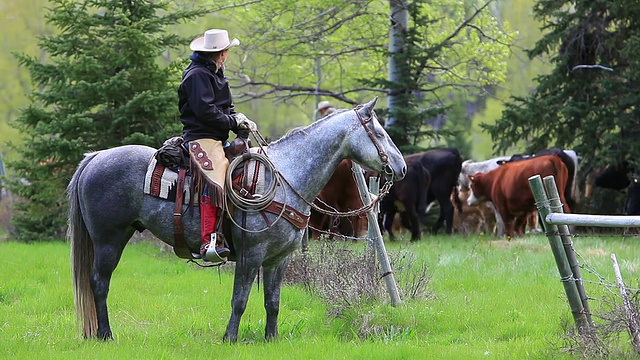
[172, 154]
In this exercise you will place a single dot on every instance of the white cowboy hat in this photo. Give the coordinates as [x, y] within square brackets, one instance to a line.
[214, 40]
[323, 105]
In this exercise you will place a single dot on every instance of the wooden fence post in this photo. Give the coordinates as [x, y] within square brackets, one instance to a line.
[632, 322]
[565, 236]
[377, 240]
[373, 231]
[566, 275]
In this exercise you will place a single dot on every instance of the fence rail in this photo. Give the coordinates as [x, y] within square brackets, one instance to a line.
[593, 220]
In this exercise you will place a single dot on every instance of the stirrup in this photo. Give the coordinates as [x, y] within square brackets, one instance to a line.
[212, 255]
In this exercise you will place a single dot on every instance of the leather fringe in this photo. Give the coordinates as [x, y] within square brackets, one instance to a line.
[198, 183]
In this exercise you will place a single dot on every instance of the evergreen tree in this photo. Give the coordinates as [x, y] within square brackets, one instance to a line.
[589, 102]
[101, 86]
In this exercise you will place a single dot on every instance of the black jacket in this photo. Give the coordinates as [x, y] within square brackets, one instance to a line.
[205, 102]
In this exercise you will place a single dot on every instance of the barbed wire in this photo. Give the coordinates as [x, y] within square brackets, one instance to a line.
[338, 235]
[600, 280]
[597, 234]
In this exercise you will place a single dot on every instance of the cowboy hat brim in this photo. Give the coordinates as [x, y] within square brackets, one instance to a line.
[198, 45]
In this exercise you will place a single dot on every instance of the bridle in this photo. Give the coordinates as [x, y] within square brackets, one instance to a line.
[387, 169]
[383, 155]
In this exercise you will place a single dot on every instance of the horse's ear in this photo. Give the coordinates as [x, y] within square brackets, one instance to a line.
[368, 107]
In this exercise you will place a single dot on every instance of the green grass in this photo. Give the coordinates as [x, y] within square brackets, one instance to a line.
[493, 300]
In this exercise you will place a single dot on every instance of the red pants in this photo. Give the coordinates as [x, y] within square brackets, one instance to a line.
[209, 215]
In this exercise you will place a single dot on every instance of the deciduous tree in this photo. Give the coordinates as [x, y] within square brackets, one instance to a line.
[342, 50]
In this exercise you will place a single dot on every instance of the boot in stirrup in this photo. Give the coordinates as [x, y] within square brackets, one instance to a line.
[211, 252]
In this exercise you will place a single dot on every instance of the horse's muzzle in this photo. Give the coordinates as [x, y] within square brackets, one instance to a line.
[391, 175]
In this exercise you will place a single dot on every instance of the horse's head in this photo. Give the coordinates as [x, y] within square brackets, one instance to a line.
[372, 146]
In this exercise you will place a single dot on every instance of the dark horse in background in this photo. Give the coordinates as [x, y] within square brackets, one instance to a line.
[107, 205]
[341, 194]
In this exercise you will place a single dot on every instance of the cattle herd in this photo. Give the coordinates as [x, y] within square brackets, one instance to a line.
[490, 197]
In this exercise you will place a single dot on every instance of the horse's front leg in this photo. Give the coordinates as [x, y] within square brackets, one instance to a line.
[246, 273]
[273, 278]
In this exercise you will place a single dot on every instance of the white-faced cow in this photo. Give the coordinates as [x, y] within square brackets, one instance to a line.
[508, 188]
[470, 167]
[570, 160]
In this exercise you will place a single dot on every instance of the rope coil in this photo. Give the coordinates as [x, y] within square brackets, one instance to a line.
[256, 202]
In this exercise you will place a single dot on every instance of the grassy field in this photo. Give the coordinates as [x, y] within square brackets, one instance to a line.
[492, 299]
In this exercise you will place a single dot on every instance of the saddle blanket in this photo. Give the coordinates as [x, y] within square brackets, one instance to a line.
[161, 182]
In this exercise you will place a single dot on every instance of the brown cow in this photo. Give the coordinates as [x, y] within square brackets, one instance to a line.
[340, 194]
[508, 188]
[481, 218]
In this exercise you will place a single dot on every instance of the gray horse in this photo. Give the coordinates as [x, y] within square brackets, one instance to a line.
[107, 205]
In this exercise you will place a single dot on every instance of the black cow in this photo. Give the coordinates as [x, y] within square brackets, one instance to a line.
[632, 207]
[614, 177]
[570, 162]
[444, 165]
[620, 177]
[407, 197]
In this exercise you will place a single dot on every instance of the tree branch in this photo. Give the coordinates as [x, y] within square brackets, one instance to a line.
[298, 91]
[451, 36]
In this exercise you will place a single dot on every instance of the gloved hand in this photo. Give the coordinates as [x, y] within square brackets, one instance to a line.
[243, 134]
[244, 123]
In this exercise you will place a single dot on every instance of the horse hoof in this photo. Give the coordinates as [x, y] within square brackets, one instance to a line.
[107, 336]
[229, 339]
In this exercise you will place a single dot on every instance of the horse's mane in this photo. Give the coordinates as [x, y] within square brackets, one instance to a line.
[301, 130]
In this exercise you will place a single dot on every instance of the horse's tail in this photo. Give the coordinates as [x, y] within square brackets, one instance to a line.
[81, 257]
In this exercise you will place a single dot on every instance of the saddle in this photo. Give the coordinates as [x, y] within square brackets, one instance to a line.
[175, 157]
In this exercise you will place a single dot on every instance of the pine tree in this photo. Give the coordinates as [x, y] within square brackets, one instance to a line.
[100, 86]
[589, 101]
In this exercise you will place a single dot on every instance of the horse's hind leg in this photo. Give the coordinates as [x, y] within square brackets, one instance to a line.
[106, 260]
[244, 277]
[272, 285]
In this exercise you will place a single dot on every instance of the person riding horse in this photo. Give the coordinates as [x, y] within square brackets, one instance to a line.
[208, 114]
[108, 203]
